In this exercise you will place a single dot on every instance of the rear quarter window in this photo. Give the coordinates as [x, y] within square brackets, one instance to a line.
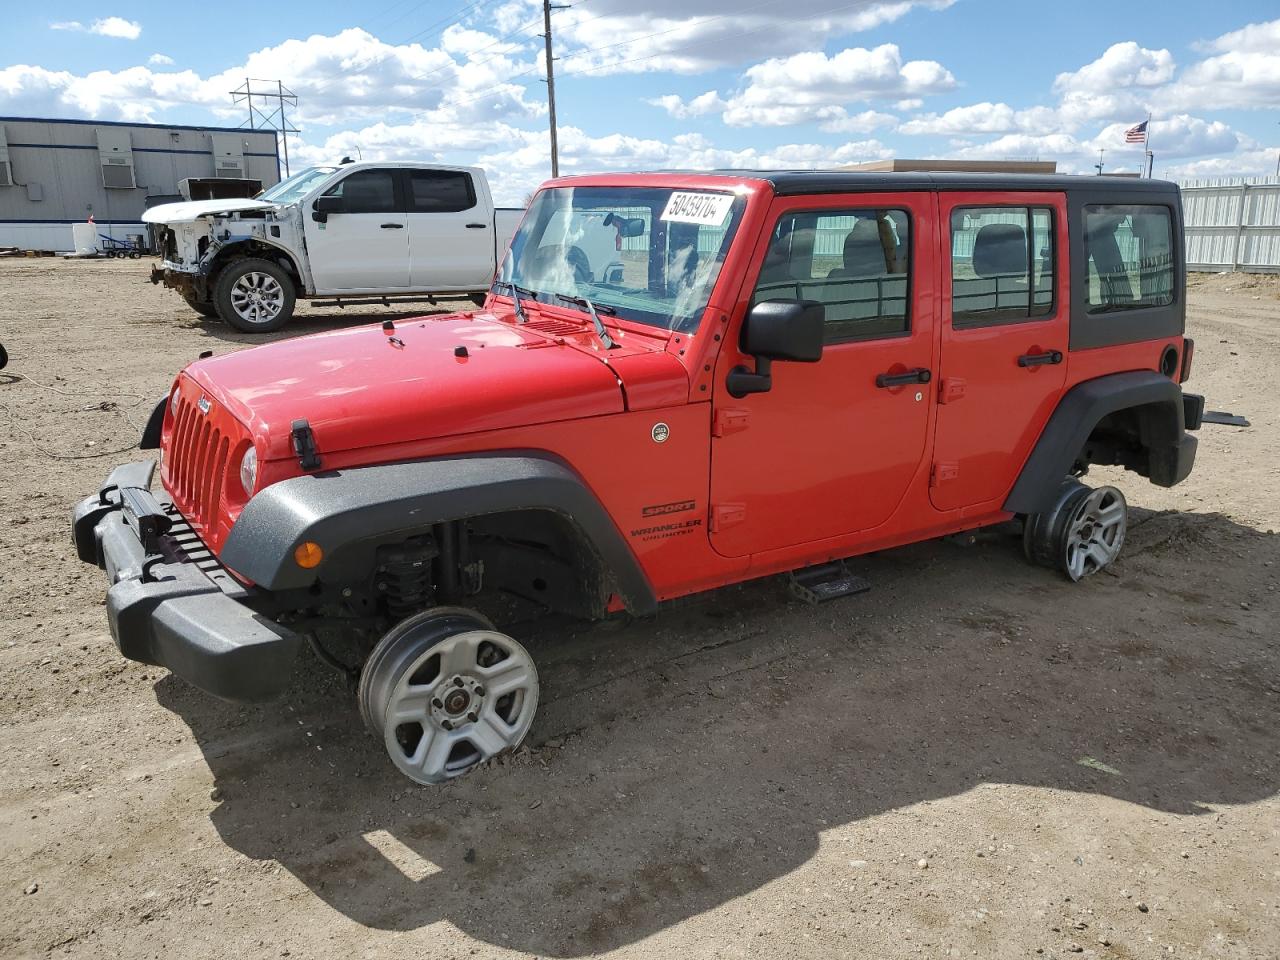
[1129, 257]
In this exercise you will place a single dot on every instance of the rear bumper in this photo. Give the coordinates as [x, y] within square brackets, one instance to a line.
[170, 603]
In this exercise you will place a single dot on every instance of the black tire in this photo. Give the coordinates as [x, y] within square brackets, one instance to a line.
[203, 307]
[227, 285]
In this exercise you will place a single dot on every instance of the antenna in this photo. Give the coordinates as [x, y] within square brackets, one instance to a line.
[264, 116]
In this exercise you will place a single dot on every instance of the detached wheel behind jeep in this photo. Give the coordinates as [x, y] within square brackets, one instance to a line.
[1082, 533]
[445, 691]
[254, 296]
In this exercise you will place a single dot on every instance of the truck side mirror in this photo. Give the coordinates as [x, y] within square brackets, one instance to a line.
[777, 330]
[323, 206]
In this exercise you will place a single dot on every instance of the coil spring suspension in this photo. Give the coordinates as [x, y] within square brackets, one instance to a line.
[403, 577]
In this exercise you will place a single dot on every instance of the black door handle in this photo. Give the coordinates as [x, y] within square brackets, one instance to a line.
[1040, 359]
[393, 226]
[476, 226]
[918, 375]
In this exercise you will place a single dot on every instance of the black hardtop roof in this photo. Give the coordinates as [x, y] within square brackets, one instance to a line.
[792, 182]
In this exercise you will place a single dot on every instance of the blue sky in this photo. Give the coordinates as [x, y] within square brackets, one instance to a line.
[646, 84]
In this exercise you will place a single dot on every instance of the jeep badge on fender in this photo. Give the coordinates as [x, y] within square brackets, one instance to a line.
[677, 382]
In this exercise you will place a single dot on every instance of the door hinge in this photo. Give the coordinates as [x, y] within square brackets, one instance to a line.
[730, 420]
[726, 515]
[951, 389]
[942, 472]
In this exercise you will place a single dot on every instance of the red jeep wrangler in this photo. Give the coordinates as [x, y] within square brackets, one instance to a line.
[678, 381]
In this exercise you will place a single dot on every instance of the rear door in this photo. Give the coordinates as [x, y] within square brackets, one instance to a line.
[450, 231]
[362, 248]
[1004, 339]
[832, 448]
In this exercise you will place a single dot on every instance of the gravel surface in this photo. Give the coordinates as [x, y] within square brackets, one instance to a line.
[975, 759]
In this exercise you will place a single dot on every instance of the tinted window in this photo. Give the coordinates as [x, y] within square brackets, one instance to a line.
[440, 191]
[366, 191]
[856, 263]
[1002, 265]
[1129, 250]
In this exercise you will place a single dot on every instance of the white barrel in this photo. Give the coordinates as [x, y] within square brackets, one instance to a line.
[84, 237]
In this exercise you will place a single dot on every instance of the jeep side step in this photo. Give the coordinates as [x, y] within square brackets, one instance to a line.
[826, 581]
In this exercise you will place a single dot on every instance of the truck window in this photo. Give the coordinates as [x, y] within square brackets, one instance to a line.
[1002, 265]
[440, 191]
[366, 191]
[1129, 250]
[855, 262]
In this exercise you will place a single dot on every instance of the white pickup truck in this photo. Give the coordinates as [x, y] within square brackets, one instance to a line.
[353, 233]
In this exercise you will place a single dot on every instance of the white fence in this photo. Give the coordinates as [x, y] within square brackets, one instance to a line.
[1232, 224]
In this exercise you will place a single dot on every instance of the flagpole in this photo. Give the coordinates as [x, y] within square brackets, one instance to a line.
[1146, 145]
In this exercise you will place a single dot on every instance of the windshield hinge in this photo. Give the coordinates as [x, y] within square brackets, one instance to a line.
[304, 445]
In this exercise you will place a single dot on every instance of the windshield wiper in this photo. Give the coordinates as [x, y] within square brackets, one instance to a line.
[595, 312]
[515, 297]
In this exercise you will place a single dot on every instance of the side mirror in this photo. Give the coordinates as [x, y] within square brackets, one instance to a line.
[777, 330]
[323, 206]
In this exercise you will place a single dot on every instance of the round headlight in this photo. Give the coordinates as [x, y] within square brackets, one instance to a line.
[249, 471]
[173, 401]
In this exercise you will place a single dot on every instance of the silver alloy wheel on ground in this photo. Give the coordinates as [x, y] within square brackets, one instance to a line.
[1095, 532]
[257, 297]
[1080, 533]
[446, 692]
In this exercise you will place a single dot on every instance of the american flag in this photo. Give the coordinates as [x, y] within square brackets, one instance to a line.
[1137, 133]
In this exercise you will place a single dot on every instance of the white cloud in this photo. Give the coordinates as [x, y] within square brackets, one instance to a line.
[160, 60]
[1122, 65]
[339, 79]
[814, 87]
[693, 36]
[1244, 74]
[698, 106]
[117, 27]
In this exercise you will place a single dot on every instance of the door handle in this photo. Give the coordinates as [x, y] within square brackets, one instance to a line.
[918, 375]
[476, 226]
[1040, 359]
[393, 226]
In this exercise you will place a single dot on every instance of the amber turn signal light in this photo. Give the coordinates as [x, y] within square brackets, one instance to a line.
[308, 555]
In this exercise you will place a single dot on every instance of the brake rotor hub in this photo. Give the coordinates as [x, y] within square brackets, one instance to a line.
[457, 700]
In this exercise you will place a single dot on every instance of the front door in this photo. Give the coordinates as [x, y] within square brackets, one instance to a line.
[363, 248]
[450, 232]
[832, 448]
[1004, 340]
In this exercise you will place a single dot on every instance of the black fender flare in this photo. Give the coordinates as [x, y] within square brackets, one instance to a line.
[335, 508]
[1171, 450]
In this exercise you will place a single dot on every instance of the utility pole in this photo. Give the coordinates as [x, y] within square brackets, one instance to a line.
[1098, 166]
[264, 116]
[547, 7]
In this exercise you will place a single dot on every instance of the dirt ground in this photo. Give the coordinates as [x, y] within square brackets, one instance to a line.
[975, 759]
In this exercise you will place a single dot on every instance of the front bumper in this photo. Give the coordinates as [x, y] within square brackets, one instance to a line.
[171, 603]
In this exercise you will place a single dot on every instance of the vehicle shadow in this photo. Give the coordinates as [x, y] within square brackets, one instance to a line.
[684, 761]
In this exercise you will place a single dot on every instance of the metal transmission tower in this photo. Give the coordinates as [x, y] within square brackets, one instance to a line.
[266, 102]
[547, 7]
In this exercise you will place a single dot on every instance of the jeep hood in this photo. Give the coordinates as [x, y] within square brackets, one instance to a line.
[190, 210]
[440, 376]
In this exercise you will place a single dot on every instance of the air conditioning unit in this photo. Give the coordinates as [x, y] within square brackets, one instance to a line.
[228, 155]
[115, 153]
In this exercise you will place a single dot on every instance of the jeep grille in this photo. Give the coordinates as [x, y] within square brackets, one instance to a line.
[196, 467]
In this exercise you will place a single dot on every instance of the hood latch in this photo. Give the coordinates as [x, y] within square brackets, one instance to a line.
[304, 445]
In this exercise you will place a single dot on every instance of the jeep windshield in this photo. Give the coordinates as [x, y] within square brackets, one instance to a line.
[648, 254]
[294, 188]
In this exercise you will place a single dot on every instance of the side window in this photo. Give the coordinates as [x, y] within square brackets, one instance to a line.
[1002, 265]
[1129, 250]
[366, 191]
[855, 262]
[440, 191]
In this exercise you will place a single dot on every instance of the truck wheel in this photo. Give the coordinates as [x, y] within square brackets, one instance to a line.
[203, 307]
[254, 296]
[445, 692]
[1082, 533]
